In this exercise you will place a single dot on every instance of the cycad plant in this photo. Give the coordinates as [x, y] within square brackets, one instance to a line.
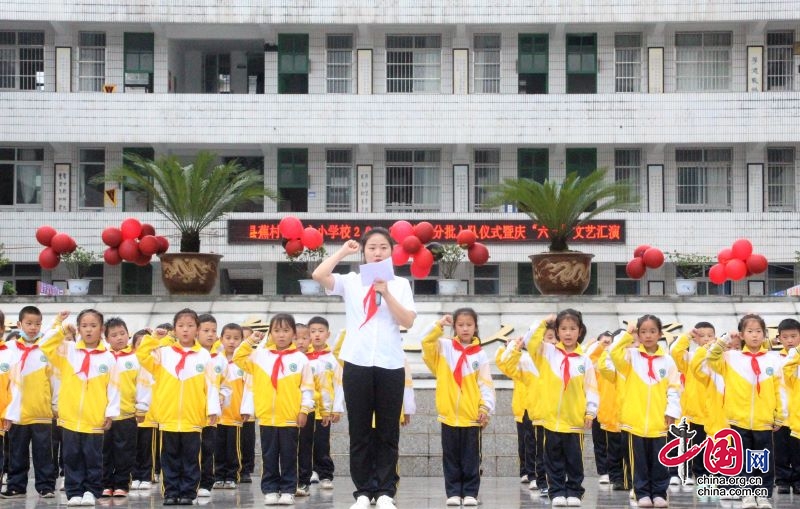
[561, 206]
[193, 196]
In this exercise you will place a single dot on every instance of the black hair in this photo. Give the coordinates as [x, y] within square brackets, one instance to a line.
[604, 334]
[283, 319]
[191, 313]
[318, 320]
[115, 321]
[705, 325]
[166, 325]
[29, 310]
[469, 312]
[89, 311]
[788, 324]
[137, 337]
[377, 230]
[232, 326]
[206, 318]
[651, 318]
[752, 317]
[299, 325]
[13, 335]
[2, 321]
[574, 315]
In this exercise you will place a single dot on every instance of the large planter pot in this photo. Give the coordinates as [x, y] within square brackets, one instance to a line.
[449, 286]
[189, 273]
[310, 287]
[78, 286]
[685, 286]
[562, 273]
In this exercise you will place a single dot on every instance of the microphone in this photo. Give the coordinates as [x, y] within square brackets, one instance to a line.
[377, 299]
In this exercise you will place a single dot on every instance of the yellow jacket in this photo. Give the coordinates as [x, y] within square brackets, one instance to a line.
[609, 374]
[523, 373]
[326, 390]
[183, 395]
[691, 399]
[88, 392]
[712, 394]
[277, 406]
[458, 406]
[234, 383]
[747, 406]
[8, 358]
[31, 385]
[608, 408]
[649, 395]
[128, 369]
[791, 376]
[144, 398]
[564, 407]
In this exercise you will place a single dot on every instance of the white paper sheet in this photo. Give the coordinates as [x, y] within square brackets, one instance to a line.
[383, 270]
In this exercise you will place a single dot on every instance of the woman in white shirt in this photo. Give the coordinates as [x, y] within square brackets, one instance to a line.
[373, 376]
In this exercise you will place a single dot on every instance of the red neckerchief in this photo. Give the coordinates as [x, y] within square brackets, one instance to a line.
[650, 358]
[316, 354]
[26, 350]
[183, 353]
[370, 304]
[462, 359]
[87, 355]
[278, 365]
[565, 364]
[121, 353]
[755, 367]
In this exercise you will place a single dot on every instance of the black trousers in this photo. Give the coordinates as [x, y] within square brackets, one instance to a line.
[3, 445]
[563, 461]
[541, 473]
[757, 441]
[600, 445]
[58, 453]
[227, 458]
[526, 447]
[697, 467]
[180, 463]
[784, 475]
[794, 446]
[279, 459]
[37, 437]
[119, 442]
[322, 463]
[146, 452]
[247, 445]
[615, 453]
[461, 460]
[83, 463]
[627, 468]
[209, 445]
[368, 391]
[305, 451]
[650, 477]
[314, 451]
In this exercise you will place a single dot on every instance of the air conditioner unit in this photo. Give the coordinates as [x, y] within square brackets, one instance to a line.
[137, 78]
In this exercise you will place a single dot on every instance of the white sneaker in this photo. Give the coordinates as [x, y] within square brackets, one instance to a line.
[603, 479]
[229, 485]
[326, 484]
[456, 501]
[559, 502]
[145, 485]
[660, 502]
[674, 480]
[644, 502]
[286, 499]
[523, 479]
[271, 499]
[74, 501]
[470, 502]
[573, 502]
[749, 503]
[532, 485]
[314, 477]
[385, 502]
[218, 485]
[88, 499]
[632, 495]
[202, 492]
[135, 485]
[763, 503]
[689, 482]
[362, 502]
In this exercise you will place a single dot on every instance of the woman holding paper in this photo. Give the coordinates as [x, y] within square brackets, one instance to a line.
[376, 306]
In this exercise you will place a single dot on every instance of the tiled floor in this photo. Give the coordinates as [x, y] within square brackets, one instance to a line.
[414, 493]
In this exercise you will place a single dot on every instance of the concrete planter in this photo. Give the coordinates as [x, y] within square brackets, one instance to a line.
[562, 273]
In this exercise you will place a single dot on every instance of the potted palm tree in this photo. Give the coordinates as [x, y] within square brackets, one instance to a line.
[560, 207]
[78, 264]
[451, 255]
[304, 263]
[191, 197]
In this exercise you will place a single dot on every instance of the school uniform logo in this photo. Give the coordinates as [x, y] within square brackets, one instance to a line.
[217, 369]
[4, 367]
[199, 368]
[769, 371]
[43, 358]
[475, 365]
[293, 367]
[328, 366]
[128, 365]
[103, 368]
[581, 369]
[239, 372]
[662, 372]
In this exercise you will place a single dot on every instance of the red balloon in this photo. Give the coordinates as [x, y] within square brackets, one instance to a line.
[736, 269]
[478, 254]
[294, 247]
[424, 231]
[423, 258]
[48, 258]
[45, 234]
[143, 260]
[111, 256]
[61, 243]
[466, 238]
[716, 274]
[147, 229]
[635, 268]
[112, 237]
[290, 227]
[411, 244]
[418, 270]
[129, 250]
[741, 249]
[399, 255]
[653, 258]
[148, 245]
[72, 245]
[756, 263]
[312, 238]
[400, 230]
[163, 244]
[725, 255]
[131, 228]
[640, 250]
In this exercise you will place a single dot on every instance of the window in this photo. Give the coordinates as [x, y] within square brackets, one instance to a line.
[23, 276]
[292, 63]
[533, 163]
[703, 61]
[217, 73]
[486, 64]
[627, 167]
[427, 286]
[779, 186]
[624, 285]
[413, 63]
[255, 163]
[339, 184]
[293, 179]
[704, 179]
[706, 287]
[581, 63]
[780, 58]
[91, 61]
[22, 60]
[532, 63]
[92, 166]
[139, 61]
[136, 280]
[779, 278]
[340, 64]
[413, 181]
[21, 176]
[487, 175]
[582, 161]
[136, 201]
[487, 279]
[628, 62]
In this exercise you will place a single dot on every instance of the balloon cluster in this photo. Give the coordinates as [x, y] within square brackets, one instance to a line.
[55, 244]
[737, 262]
[133, 242]
[296, 238]
[644, 257]
[411, 244]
